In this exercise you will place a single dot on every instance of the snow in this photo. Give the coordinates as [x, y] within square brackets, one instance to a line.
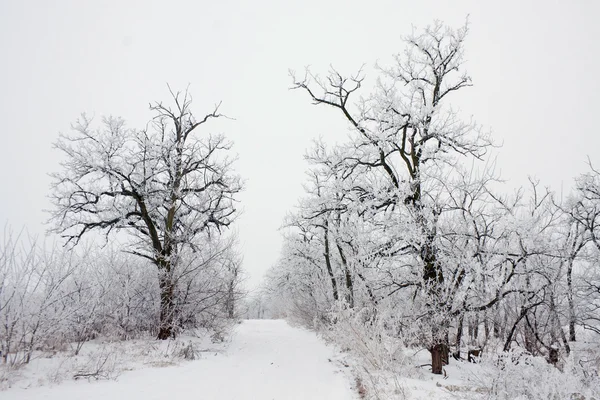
[266, 359]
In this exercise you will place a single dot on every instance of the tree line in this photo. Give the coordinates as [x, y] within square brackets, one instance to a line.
[405, 224]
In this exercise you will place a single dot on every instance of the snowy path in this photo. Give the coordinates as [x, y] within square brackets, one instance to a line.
[265, 360]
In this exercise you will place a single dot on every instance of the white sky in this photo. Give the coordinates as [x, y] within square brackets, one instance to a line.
[535, 67]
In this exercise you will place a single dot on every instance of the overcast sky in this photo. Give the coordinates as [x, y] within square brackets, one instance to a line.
[535, 67]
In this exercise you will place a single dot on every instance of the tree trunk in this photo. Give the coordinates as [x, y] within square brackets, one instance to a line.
[570, 300]
[556, 328]
[434, 280]
[553, 356]
[529, 340]
[504, 324]
[459, 333]
[167, 306]
[230, 303]
[439, 353]
[496, 323]
[486, 325]
[513, 329]
[348, 276]
[433, 276]
[328, 262]
[440, 349]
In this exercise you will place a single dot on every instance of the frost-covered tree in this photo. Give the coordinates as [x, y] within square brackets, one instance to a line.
[408, 134]
[166, 185]
[583, 272]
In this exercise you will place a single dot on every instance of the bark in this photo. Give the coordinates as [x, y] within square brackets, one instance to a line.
[432, 273]
[514, 328]
[439, 357]
[504, 325]
[557, 327]
[434, 279]
[167, 304]
[553, 356]
[475, 335]
[327, 255]
[486, 325]
[230, 301]
[570, 300]
[167, 286]
[348, 276]
[529, 340]
[439, 350]
[471, 330]
[496, 324]
[229, 305]
[459, 333]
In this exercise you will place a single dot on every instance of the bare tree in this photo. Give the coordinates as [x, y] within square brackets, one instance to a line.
[164, 185]
[583, 209]
[406, 130]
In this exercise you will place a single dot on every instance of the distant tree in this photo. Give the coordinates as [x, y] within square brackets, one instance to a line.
[164, 185]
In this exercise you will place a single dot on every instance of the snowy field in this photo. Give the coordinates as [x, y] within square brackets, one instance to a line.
[265, 360]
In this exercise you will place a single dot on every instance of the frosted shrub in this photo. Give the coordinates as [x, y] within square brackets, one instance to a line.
[189, 352]
[519, 375]
[53, 300]
[379, 358]
[364, 333]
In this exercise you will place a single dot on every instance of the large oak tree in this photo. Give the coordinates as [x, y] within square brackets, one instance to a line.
[167, 185]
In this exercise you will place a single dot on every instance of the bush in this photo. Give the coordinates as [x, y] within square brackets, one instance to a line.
[519, 375]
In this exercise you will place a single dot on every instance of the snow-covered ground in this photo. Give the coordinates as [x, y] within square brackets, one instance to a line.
[266, 359]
